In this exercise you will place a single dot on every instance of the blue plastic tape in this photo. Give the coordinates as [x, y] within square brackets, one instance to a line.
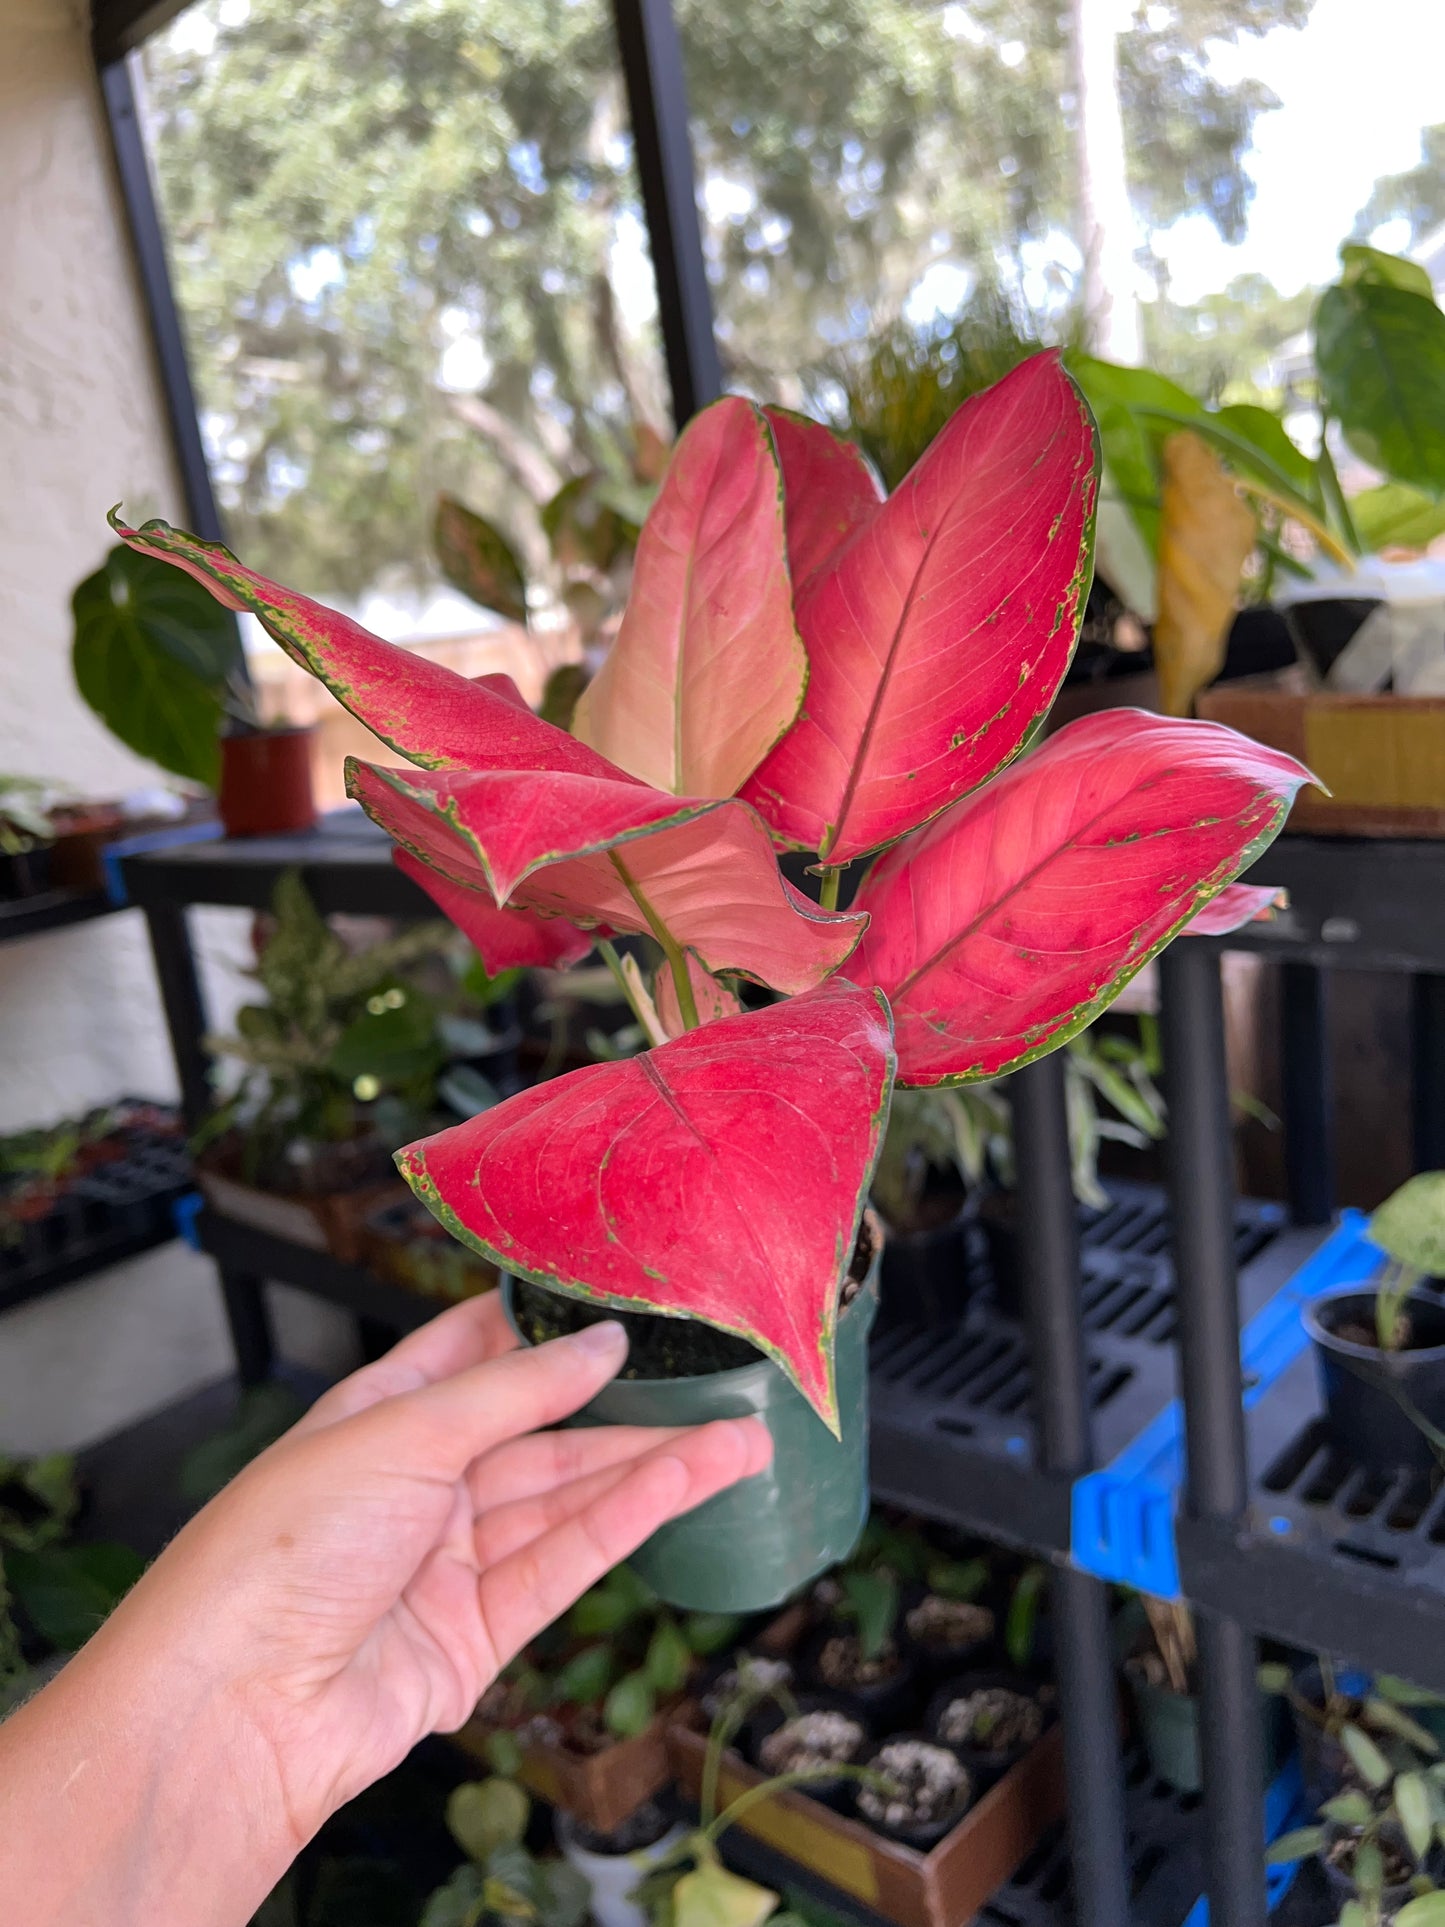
[1284, 1808]
[184, 1213]
[1122, 1525]
[167, 839]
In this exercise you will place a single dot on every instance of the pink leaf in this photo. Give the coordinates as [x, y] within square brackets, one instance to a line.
[421, 709]
[938, 634]
[713, 999]
[828, 489]
[1011, 922]
[719, 1177]
[503, 685]
[1239, 904]
[708, 670]
[503, 939]
[701, 872]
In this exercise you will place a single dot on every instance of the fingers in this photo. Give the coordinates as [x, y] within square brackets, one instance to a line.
[437, 1432]
[529, 1588]
[524, 1467]
[467, 1335]
[504, 1528]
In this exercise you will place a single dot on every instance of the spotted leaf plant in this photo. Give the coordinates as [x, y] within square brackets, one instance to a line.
[802, 664]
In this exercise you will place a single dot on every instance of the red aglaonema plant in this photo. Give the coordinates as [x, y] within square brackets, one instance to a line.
[801, 663]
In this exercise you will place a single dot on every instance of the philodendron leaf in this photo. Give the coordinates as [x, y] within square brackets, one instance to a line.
[1361, 263]
[1410, 1224]
[719, 1177]
[423, 710]
[1380, 354]
[66, 1591]
[483, 1815]
[151, 656]
[1396, 516]
[708, 669]
[585, 1677]
[939, 631]
[1206, 533]
[872, 1601]
[701, 873]
[710, 1896]
[476, 558]
[669, 1658]
[630, 1706]
[1011, 922]
[1366, 1758]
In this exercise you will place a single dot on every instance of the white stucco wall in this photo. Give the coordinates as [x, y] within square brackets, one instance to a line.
[81, 427]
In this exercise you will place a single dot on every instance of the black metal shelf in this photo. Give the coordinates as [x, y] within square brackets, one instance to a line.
[345, 863]
[261, 1254]
[1355, 903]
[50, 910]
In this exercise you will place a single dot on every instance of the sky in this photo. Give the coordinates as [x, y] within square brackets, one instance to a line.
[1356, 85]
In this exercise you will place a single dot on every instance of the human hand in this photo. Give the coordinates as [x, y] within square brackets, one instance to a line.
[362, 1582]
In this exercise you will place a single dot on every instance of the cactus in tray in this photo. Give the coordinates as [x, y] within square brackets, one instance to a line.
[802, 663]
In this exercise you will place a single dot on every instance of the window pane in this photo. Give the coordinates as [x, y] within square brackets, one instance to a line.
[407, 246]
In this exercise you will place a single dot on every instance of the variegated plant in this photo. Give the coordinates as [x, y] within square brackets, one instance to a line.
[803, 664]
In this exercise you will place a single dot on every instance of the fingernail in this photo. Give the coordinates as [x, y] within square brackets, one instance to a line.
[600, 1341]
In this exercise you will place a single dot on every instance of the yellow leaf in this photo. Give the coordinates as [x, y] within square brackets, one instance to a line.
[710, 1896]
[1206, 533]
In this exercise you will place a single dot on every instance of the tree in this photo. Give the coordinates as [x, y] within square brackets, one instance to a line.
[406, 233]
[1219, 348]
[1417, 195]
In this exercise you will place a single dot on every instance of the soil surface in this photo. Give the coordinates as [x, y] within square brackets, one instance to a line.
[756, 1674]
[641, 1829]
[995, 1718]
[823, 1738]
[660, 1347]
[949, 1625]
[841, 1663]
[926, 1784]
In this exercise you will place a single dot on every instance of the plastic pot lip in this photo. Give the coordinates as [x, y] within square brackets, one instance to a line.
[1330, 1341]
[741, 1379]
[565, 1828]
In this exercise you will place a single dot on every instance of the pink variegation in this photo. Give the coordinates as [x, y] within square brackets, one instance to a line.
[721, 1174]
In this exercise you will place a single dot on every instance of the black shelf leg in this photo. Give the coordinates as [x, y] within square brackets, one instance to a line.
[1201, 1193]
[1427, 1061]
[249, 1318]
[185, 1011]
[1308, 1096]
[1088, 1703]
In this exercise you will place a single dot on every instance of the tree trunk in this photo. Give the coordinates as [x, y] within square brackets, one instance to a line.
[1105, 217]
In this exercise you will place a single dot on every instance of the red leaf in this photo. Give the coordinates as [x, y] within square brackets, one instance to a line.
[588, 849]
[503, 939]
[708, 669]
[713, 999]
[1234, 907]
[503, 685]
[1011, 922]
[422, 709]
[828, 489]
[719, 1177]
[938, 635]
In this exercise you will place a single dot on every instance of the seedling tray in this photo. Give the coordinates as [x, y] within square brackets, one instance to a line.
[893, 1882]
[599, 1789]
[109, 1213]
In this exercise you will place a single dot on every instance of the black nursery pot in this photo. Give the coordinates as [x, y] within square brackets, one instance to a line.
[986, 1764]
[1342, 1888]
[925, 1273]
[24, 873]
[922, 1835]
[885, 1704]
[940, 1659]
[768, 1719]
[1370, 1395]
[1323, 630]
[1324, 1763]
[998, 1217]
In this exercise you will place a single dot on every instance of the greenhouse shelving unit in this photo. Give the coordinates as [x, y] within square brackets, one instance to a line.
[1115, 1442]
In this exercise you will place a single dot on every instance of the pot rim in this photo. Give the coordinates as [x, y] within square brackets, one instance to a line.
[736, 1377]
[249, 735]
[1329, 1341]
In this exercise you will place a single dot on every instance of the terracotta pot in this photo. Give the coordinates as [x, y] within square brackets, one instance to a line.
[266, 782]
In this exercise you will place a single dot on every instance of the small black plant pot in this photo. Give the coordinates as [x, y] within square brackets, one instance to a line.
[885, 1704]
[1324, 1764]
[768, 1721]
[925, 1276]
[1373, 1398]
[987, 1762]
[998, 1217]
[24, 873]
[1323, 630]
[1341, 1886]
[941, 1652]
[928, 1774]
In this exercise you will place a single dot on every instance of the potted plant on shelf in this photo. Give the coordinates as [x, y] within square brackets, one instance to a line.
[802, 663]
[26, 834]
[1380, 1350]
[500, 1881]
[163, 668]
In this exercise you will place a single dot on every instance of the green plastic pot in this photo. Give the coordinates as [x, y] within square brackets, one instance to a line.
[755, 1545]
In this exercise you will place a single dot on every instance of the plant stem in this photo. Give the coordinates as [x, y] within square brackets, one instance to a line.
[676, 962]
[828, 891]
[630, 983]
[804, 1776]
[1334, 495]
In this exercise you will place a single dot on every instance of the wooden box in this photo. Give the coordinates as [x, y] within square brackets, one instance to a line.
[937, 1889]
[599, 1789]
[1381, 757]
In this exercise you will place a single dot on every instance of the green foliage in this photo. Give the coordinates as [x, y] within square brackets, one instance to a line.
[264, 1412]
[1417, 195]
[1380, 355]
[1410, 1225]
[501, 1880]
[476, 558]
[870, 1600]
[155, 656]
[23, 821]
[64, 1591]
